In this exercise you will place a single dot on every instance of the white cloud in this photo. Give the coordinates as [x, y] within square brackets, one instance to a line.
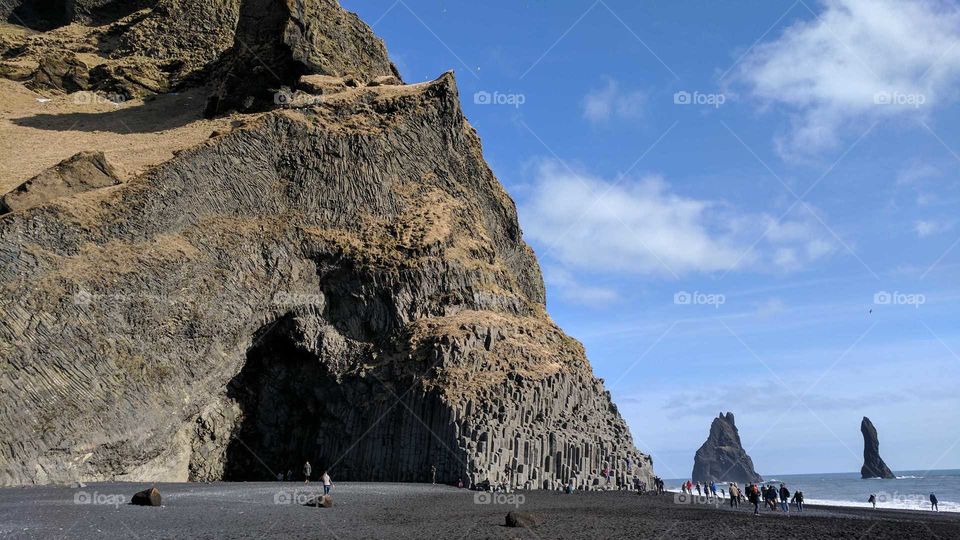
[770, 307]
[916, 173]
[601, 104]
[859, 59]
[641, 226]
[925, 228]
[570, 289]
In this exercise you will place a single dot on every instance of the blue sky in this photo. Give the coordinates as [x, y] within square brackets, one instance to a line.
[719, 194]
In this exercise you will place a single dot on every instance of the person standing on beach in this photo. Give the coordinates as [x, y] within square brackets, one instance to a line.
[713, 489]
[433, 474]
[771, 497]
[753, 495]
[734, 495]
[873, 500]
[933, 503]
[698, 489]
[327, 483]
[784, 498]
[798, 500]
[306, 472]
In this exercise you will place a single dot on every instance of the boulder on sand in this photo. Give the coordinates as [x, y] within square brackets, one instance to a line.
[522, 519]
[325, 501]
[147, 497]
[82, 172]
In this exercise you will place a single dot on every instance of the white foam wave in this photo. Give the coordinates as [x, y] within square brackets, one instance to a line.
[888, 505]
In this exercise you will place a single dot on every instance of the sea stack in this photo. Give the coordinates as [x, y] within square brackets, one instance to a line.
[873, 465]
[334, 275]
[722, 458]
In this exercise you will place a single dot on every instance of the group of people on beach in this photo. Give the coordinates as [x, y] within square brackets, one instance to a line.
[768, 495]
[307, 472]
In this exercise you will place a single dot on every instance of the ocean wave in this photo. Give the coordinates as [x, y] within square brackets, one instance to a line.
[917, 502]
[888, 505]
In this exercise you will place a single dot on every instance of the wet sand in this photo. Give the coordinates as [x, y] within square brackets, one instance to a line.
[379, 510]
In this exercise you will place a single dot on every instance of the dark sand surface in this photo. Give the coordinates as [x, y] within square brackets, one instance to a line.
[368, 510]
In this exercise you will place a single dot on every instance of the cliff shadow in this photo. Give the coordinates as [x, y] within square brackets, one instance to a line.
[158, 113]
[293, 410]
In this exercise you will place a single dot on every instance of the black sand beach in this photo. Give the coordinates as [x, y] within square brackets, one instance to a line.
[368, 510]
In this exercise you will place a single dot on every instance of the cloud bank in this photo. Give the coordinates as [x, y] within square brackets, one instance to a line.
[857, 60]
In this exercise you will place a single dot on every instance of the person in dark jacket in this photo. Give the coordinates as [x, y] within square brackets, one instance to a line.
[933, 503]
[784, 498]
[771, 497]
[798, 500]
[753, 495]
[873, 500]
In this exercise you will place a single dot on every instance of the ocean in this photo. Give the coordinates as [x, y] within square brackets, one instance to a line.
[910, 490]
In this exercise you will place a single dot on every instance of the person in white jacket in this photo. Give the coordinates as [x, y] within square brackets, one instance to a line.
[327, 483]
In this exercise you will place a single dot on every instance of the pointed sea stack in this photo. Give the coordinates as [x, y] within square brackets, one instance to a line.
[873, 465]
[722, 458]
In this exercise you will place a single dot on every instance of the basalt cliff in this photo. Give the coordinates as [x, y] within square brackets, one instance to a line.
[227, 251]
[722, 458]
[873, 464]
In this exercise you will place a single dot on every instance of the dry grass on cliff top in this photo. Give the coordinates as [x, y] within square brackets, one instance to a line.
[532, 347]
[135, 135]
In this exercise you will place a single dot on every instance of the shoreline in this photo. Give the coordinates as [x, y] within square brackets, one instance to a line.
[378, 510]
[947, 507]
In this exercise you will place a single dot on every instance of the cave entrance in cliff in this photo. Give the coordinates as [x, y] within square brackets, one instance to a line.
[287, 399]
[41, 15]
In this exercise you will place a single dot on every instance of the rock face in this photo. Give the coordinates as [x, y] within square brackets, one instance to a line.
[873, 465]
[82, 172]
[138, 48]
[341, 280]
[722, 458]
[278, 41]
